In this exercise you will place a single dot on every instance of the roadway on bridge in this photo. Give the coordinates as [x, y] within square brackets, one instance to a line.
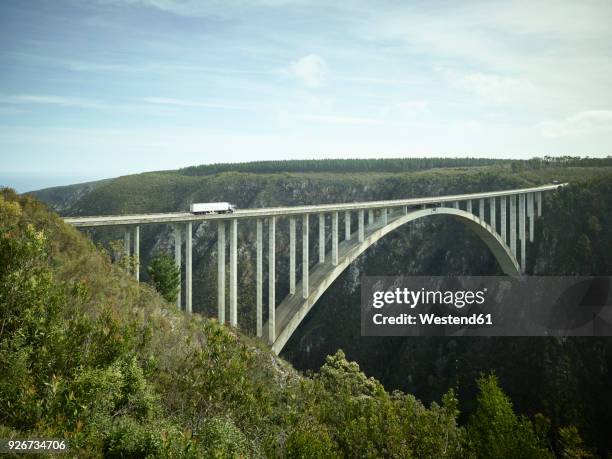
[178, 217]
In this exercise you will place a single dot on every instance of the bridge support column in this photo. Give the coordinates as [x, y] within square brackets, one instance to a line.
[335, 238]
[481, 210]
[127, 243]
[405, 210]
[530, 215]
[188, 266]
[513, 224]
[360, 224]
[384, 216]
[305, 257]
[233, 273]
[137, 252]
[272, 280]
[469, 206]
[539, 202]
[221, 271]
[502, 219]
[347, 226]
[259, 300]
[370, 217]
[492, 215]
[522, 232]
[456, 204]
[292, 256]
[177, 261]
[321, 238]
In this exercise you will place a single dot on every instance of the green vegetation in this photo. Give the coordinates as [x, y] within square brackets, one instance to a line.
[165, 276]
[567, 380]
[89, 355]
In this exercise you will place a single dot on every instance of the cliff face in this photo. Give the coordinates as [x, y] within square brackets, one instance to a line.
[573, 237]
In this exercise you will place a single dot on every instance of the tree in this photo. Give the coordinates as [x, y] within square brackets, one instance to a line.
[165, 277]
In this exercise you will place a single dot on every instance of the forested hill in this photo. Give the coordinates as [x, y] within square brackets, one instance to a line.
[566, 380]
[92, 357]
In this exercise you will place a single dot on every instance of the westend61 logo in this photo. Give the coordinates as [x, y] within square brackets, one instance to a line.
[486, 306]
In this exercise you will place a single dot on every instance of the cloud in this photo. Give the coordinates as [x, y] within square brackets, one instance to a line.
[51, 100]
[331, 119]
[310, 70]
[193, 103]
[586, 122]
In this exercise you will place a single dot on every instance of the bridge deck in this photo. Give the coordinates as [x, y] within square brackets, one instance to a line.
[177, 217]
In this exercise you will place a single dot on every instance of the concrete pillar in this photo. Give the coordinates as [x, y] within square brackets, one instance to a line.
[370, 217]
[292, 256]
[481, 211]
[321, 238]
[347, 225]
[137, 252]
[469, 206]
[272, 280]
[127, 245]
[522, 232]
[492, 215]
[221, 271]
[233, 299]
[456, 204]
[305, 257]
[405, 210]
[188, 266]
[384, 216]
[539, 202]
[512, 198]
[334, 238]
[177, 261]
[503, 207]
[530, 214]
[259, 300]
[360, 219]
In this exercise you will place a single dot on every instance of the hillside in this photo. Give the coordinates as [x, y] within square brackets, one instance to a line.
[567, 380]
[89, 355]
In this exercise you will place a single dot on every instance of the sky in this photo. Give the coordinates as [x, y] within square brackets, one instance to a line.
[101, 88]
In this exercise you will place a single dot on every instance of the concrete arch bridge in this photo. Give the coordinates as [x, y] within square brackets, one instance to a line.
[502, 219]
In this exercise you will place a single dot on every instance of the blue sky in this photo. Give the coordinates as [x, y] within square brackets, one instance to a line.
[100, 88]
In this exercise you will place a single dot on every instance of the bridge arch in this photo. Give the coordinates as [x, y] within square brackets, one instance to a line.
[294, 308]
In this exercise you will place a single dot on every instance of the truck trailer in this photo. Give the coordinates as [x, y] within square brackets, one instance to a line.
[212, 208]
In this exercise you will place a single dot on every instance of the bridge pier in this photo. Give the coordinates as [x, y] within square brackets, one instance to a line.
[321, 238]
[481, 209]
[360, 224]
[469, 206]
[272, 279]
[233, 273]
[456, 204]
[177, 261]
[127, 246]
[513, 224]
[259, 269]
[503, 223]
[347, 226]
[370, 217]
[530, 215]
[292, 256]
[137, 252]
[522, 232]
[384, 216]
[188, 266]
[305, 256]
[335, 238]
[221, 271]
[539, 202]
[492, 215]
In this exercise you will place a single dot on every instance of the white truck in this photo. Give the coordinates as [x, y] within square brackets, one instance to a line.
[212, 208]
